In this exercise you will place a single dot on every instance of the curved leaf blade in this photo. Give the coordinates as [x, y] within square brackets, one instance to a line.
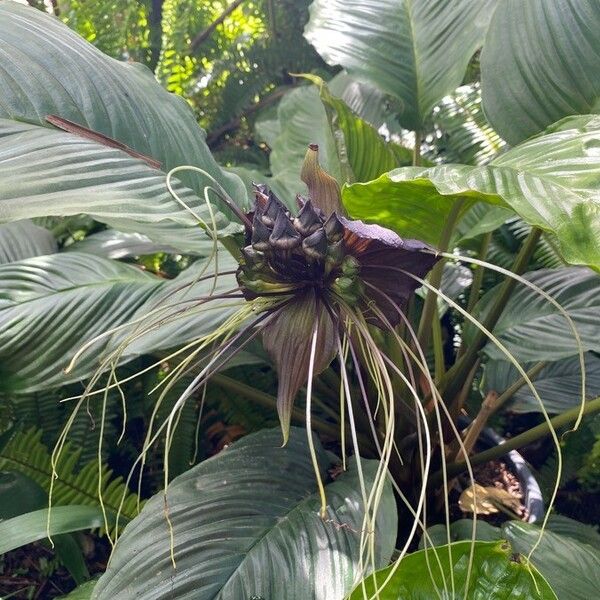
[495, 575]
[30, 527]
[551, 181]
[388, 43]
[47, 69]
[572, 568]
[49, 172]
[51, 305]
[246, 523]
[532, 329]
[558, 384]
[549, 53]
[23, 239]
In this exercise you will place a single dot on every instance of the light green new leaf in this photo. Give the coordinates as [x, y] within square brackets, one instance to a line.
[552, 181]
[362, 152]
[572, 568]
[414, 209]
[51, 305]
[366, 101]
[301, 121]
[49, 172]
[532, 329]
[558, 384]
[31, 527]
[540, 62]
[246, 524]
[415, 50]
[23, 239]
[568, 556]
[495, 575]
[47, 69]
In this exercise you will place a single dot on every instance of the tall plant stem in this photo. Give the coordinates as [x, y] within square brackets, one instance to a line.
[435, 278]
[416, 161]
[527, 437]
[477, 282]
[454, 379]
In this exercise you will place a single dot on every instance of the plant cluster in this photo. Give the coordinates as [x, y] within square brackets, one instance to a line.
[272, 361]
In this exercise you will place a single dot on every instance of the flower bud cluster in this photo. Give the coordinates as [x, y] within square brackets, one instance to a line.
[288, 252]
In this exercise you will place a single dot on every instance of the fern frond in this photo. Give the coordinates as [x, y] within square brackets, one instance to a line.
[26, 453]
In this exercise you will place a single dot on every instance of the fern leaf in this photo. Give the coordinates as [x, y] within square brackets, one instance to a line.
[26, 454]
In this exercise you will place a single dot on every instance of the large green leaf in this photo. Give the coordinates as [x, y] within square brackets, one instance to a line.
[48, 69]
[540, 62]
[246, 524]
[31, 527]
[23, 239]
[411, 208]
[51, 305]
[571, 567]
[366, 101]
[532, 329]
[50, 172]
[558, 384]
[415, 50]
[496, 574]
[551, 181]
[568, 556]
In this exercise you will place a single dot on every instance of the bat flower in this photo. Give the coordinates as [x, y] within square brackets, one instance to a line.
[319, 270]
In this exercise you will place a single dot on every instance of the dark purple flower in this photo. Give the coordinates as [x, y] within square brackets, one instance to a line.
[311, 267]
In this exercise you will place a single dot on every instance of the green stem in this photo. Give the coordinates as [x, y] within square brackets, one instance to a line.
[454, 378]
[477, 282]
[435, 277]
[438, 346]
[478, 275]
[416, 161]
[527, 437]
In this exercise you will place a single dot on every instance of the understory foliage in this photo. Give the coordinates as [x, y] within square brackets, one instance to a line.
[275, 275]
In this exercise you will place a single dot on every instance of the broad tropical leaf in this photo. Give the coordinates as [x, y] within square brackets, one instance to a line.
[532, 329]
[246, 523]
[51, 305]
[550, 181]
[23, 239]
[568, 556]
[495, 575]
[572, 568]
[417, 51]
[49, 70]
[50, 172]
[31, 527]
[558, 384]
[540, 62]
